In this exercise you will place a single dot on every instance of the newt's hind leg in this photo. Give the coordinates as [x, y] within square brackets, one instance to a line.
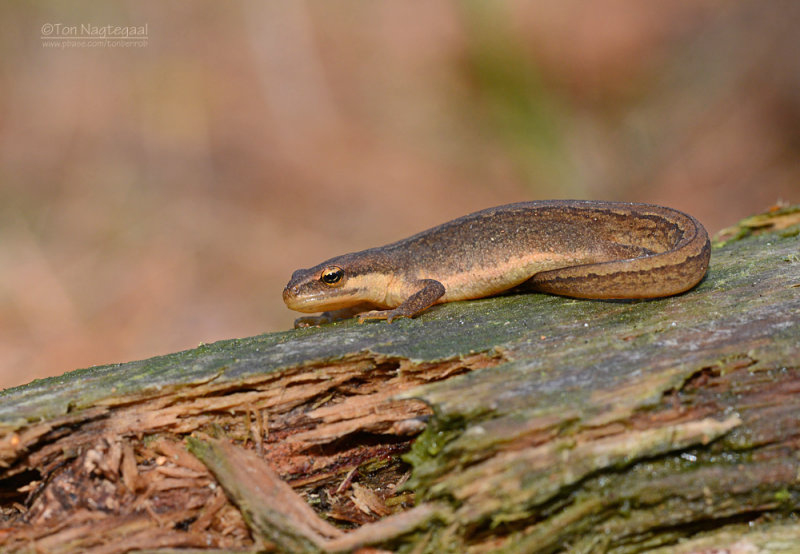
[654, 276]
[618, 272]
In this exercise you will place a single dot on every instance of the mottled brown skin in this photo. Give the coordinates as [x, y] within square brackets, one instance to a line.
[582, 249]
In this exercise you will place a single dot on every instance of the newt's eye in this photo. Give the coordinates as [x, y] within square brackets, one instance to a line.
[332, 276]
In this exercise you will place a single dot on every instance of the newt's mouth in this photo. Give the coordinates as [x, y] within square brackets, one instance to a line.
[289, 295]
[295, 300]
[310, 302]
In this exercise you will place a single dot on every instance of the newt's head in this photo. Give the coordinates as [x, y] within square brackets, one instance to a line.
[340, 282]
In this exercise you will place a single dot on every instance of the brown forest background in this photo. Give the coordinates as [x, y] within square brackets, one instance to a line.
[154, 198]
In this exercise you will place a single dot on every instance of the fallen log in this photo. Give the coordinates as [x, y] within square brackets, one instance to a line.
[523, 423]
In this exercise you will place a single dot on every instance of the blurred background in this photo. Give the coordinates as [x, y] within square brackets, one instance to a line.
[158, 195]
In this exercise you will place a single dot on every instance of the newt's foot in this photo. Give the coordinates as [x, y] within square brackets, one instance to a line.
[311, 321]
[330, 317]
[388, 315]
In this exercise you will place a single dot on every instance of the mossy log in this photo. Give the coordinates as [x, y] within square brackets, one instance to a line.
[523, 423]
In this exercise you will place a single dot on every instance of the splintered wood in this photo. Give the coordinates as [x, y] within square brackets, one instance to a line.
[113, 496]
[118, 476]
[276, 513]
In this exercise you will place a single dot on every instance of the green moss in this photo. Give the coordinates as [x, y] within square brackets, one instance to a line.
[783, 496]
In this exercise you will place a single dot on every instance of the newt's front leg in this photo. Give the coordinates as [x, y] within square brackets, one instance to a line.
[430, 291]
[331, 316]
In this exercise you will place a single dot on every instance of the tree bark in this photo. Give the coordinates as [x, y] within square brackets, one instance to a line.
[523, 423]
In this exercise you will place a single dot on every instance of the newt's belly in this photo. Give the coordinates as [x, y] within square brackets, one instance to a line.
[499, 277]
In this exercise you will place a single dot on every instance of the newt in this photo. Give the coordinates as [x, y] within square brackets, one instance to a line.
[575, 248]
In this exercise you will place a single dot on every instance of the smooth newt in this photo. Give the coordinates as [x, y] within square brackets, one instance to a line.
[582, 249]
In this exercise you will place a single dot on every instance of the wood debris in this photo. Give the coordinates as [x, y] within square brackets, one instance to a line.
[118, 476]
